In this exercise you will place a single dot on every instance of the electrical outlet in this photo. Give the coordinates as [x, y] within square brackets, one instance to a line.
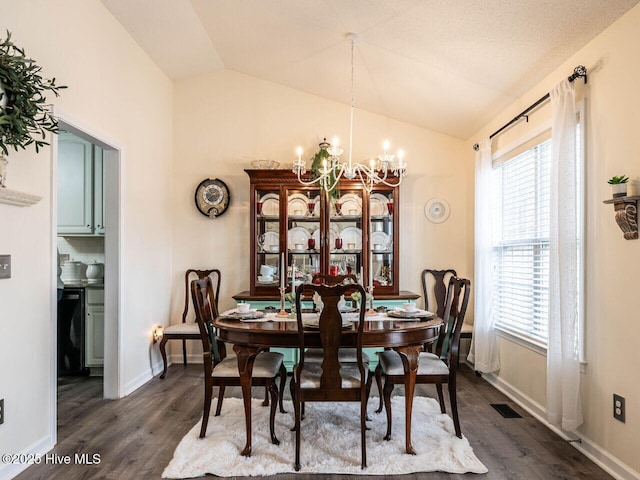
[1, 411]
[618, 407]
[5, 266]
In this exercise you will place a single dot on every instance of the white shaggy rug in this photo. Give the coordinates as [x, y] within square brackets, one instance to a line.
[330, 442]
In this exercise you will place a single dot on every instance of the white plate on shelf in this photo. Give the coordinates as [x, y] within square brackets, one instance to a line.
[297, 201]
[298, 235]
[351, 235]
[378, 205]
[270, 204]
[271, 239]
[350, 203]
[380, 238]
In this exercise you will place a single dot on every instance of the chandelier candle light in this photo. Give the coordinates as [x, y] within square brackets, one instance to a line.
[379, 170]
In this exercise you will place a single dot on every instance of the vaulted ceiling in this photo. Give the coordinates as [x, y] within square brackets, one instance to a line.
[446, 65]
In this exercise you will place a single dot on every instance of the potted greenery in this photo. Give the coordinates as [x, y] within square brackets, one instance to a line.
[24, 116]
[317, 167]
[619, 185]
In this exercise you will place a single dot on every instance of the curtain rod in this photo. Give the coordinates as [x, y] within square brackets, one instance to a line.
[579, 72]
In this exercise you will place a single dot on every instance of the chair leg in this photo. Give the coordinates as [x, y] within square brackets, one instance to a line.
[184, 351]
[296, 427]
[388, 388]
[273, 389]
[265, 402]
[454, 406]
[283, 382]
[208, 393]
[292, 389]
[441, 398]
[220, 399]
[366, 400]
[379, 385]
[363, 428]
[163, 352]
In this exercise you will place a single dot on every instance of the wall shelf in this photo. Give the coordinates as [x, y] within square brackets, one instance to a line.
[21, 199]
[626, 209]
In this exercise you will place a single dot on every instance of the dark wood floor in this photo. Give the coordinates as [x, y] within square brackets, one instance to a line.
[136, 436]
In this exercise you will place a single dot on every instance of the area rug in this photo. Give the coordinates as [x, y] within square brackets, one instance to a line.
[330, 442]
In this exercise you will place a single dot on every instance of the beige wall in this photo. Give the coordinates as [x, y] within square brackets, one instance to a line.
[224, 120]
[612, 323]
[116, 90]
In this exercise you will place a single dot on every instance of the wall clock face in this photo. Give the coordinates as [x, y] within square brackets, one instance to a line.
[212, 197]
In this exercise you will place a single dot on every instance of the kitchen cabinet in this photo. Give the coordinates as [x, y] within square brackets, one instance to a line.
[94, 328]
[80, 187]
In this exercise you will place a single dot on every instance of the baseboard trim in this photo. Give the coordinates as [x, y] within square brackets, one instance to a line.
[178, 360]
[143, 378]
[11, 470]
[594, 452]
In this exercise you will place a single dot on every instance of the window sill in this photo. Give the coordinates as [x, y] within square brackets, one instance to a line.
[528, 343]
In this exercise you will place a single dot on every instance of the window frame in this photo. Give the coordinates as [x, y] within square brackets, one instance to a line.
[498, 157]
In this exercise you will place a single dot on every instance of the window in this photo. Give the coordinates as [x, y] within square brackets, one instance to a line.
[521, 237]
[521, 241]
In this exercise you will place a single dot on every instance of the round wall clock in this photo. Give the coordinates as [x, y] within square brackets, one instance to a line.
[436, 210]
[212, 197]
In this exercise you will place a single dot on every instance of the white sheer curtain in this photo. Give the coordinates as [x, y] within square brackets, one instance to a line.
[484, 350]
[563, 363]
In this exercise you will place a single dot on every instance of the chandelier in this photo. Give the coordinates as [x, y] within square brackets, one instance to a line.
[387, 168]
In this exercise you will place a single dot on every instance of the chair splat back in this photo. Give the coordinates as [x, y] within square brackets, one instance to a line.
[330, 327]
[434, 297]
[206, 309]
[455, 310]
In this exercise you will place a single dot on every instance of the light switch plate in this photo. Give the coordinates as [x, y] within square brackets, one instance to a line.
[5, 266]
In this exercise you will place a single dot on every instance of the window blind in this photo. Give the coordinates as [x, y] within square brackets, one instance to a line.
[521, 242]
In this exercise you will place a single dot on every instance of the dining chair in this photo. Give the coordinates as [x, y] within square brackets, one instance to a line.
[434, 291]
[330, 380]
[186, 330]
[433, 368]
[222, 371]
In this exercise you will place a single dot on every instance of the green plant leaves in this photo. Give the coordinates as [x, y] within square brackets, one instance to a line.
[25, 119]
[618, 180]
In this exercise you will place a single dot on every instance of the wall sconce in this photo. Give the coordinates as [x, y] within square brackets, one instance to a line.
[158, 333]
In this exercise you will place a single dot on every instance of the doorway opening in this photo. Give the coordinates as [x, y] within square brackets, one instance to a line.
[93, 273]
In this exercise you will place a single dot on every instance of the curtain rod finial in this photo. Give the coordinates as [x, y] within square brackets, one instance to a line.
[579, 72]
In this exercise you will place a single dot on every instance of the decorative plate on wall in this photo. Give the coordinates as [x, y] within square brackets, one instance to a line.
[436, 210]
[212, 197]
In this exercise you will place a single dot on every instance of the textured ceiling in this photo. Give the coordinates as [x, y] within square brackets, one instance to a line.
[449, 66]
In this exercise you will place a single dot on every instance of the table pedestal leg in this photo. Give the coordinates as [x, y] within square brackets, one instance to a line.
[246, 358]
[409, 356]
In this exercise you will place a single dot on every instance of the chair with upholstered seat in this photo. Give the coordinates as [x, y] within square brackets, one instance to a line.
[186, 330]
[330, 379]
[222, 371]
[434, 368]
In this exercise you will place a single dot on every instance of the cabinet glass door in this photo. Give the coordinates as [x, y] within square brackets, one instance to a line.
[304, 235]
[267, 241]
[381, 237]
[344, 235]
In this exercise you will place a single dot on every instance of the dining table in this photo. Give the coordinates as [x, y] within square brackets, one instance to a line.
[249, 337]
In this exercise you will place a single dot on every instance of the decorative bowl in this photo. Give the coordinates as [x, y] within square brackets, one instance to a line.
[265, 164]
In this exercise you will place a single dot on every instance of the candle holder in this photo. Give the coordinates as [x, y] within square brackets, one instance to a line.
[282, 313]
[371, 312]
